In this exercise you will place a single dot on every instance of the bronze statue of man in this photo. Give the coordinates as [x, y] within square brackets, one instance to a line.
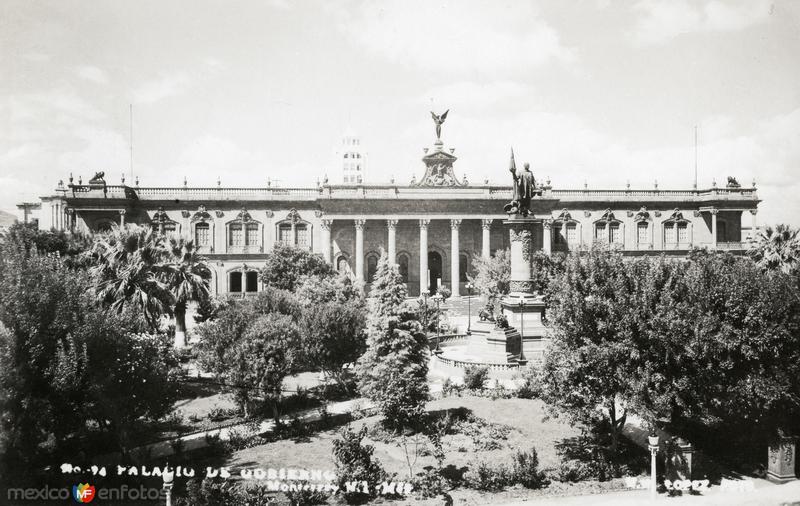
[523, 189]
[439, 120]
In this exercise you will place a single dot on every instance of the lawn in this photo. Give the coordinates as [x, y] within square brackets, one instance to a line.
[521, 423]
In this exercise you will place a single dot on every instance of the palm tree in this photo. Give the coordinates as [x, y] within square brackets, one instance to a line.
[128, 272]
[778, 248]
[186, 276]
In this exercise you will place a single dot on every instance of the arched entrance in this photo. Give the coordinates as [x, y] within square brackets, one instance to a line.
[434, 271]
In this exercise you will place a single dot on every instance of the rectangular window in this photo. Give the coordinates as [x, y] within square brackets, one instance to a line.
[572, 233]
[251, 281]
[613, 228]
[235, 284]
[683, 233]
[285, 234]
[235, 234]
[641, 232]
[201, 231]
[252, 234]
[669, 234]
[600, 232]
[302, 236]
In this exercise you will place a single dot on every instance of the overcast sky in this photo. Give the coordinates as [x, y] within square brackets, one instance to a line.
[586, 91]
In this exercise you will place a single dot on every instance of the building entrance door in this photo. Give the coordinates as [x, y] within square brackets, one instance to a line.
[434, 271]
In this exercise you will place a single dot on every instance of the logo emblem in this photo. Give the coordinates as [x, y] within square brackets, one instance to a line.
[83, 492]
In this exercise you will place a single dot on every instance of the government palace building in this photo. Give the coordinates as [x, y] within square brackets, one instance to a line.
[433, 227]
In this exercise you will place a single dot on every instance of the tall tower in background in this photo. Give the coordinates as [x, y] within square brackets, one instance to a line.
[352, 158]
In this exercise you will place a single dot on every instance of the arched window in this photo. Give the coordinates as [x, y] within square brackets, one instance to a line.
[402, 262]
[372, 266]
[463, 267]
[346, 155]
[607, 229]
[341, 265]
[202, 235]
[676, 231]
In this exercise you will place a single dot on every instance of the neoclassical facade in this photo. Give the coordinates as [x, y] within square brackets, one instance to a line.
[433, 228]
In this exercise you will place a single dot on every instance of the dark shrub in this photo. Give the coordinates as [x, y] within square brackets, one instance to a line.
[475, 377]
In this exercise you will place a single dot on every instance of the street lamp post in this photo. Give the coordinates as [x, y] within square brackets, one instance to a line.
[168, 477]
[469, 287]
[652, 441]
[438, 298]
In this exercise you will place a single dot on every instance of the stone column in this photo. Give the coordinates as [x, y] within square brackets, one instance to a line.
[454, 257]
[547, 236]
[486, 251]
[122, 218]
[360, 250]
[71, 219]
[325, 239]
[713, 228]
[521, 250]
[392, 244]
[423, 255]
[753, 224]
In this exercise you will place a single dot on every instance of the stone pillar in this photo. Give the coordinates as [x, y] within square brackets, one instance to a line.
[392, 243]
[753, 224]
[325, 239]
[781, 460]
[360, 250]
[713, 228]
[71, 219]
[454, 257]
[521, 250]
[547, 236]
[122, 218]
[423, 255]
[486, 251]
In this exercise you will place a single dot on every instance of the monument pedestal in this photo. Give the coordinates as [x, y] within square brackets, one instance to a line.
[781, 462]
[523, 306]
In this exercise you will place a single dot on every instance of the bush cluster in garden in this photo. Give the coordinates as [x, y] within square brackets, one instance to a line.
[354, 462]
[475, 377]
[523, 470]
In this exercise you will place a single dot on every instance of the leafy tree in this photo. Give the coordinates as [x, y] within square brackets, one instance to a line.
[311, 290]
[778, 249]
[392, 372]
[285, 265]
[73, 248]
[354, 463]
[724, 348]
[588, 366]
[492, 275]
[333, 335]
[262, 359]
[70, 373]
